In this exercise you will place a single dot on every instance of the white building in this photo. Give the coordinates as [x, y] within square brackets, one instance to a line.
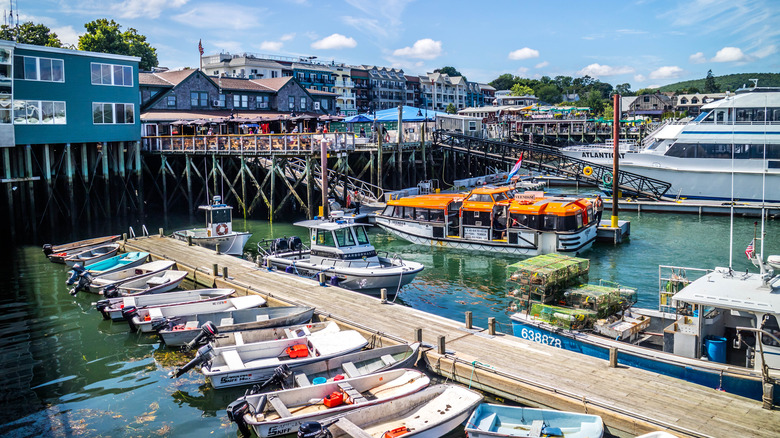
[243, 66]
[440, 89]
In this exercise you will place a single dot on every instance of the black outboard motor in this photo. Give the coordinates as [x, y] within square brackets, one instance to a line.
[236, 412]
[81, 277]
[295, 243]
[279, 245]
[208, 331]
[76, 271]
[101, 307]
[111, 291]
[160, 324]
[281, 374]
[47, 249]
[128, 313]
[314, 429]
[203, 354]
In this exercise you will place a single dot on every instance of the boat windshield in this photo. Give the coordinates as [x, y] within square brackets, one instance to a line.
[509, 194]
[344, 237]
[325, 238]
[220, 216]
[362, 237]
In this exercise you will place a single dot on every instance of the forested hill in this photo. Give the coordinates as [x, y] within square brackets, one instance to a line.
[728, 82]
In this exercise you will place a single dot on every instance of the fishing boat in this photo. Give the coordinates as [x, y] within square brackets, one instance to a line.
[96, 284]
[490, 420]
[183, 330]
[57, 253]
[282, 412]
[495, 219]
[218, 230]
[155, 283]
[252, 363]
[93, 255]
[115, 263]
[719, 330]
[729, 152]
[429, 413]
[340, 248]
[147, 320]
[111, 308]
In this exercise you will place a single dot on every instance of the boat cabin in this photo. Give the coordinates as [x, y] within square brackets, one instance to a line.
[339, 239]
[219, 217]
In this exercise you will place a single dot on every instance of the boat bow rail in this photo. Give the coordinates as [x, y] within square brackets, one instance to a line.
[551, 160]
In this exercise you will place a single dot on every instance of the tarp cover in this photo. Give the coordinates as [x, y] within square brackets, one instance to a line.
[410, 114]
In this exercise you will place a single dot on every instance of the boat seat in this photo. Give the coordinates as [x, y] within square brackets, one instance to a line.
[486, 424]
[388, 359]
[301, 380]
[279, 407]
[226, 321]
[191, 325]
[157, 281]
[351, 392]
[350, 369]
[536, 428]
[233, 360]
[352, 429]
[239, 338]
[259, 318]
[155, 312]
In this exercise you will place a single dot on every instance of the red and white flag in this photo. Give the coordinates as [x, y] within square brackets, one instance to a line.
[200, 47]
[751, 249]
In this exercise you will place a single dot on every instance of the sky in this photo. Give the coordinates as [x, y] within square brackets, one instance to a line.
[645, 43]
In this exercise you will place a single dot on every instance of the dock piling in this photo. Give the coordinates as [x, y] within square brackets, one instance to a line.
[613, 357]
[124, 237]
[162, 234]
[215, 269]
[418, 335]
[321, 277]
[217, 248]
[225, 272]
[442, 345]
[469, 319]
[492, 326]
[383, 295]
[189, 240]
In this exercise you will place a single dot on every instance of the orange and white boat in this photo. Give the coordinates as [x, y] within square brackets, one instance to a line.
[497, 219]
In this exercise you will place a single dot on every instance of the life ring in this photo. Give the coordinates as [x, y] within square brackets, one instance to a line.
[607, 179]
[587, 171]
[222, 229]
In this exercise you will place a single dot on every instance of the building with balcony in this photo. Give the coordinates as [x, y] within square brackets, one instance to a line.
[505, 98]
[648, 105]
[361, 81]
[488, 94]
[439, 90]
[243, 65]
[387, 87]
[344, 88]
[413, 94]
[314, 76]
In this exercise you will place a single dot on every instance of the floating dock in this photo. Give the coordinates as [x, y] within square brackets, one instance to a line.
[630, 401]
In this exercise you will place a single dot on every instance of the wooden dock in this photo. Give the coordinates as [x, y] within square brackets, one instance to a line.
[631, 401]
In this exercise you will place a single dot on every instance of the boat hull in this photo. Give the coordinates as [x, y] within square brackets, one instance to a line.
[94, 255]
[146, 317]
[118, 262]
[232, 244]
[53, 251]
[490, 421]
[100, 282]
[114, 310]
[746, 383]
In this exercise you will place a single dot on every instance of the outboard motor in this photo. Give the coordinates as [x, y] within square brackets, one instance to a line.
[208, 331]
[314, 429]
[101, 307]
[47, 249]
[295, 243]
[281, 374]
[236, 412]
[75, 272]
[279, 244]
[111, 291]
[204, 354]
[160, 324]
[81, 277]
[128, 313]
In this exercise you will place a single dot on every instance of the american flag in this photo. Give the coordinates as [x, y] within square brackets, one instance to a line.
[200, 47]
[751, 249]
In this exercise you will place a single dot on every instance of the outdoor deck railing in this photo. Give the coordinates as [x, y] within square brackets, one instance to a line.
[252, 143]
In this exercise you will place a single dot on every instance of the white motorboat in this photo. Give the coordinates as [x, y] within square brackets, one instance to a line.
[218, 231]
[252, 363]
[111, 308]
[150, 319]
[183, 330]
[154, 283]
[282, 412]
[340, 249]
[96, 284]
[58, 253]
[429, 413]
[92, 255]
[490, 420]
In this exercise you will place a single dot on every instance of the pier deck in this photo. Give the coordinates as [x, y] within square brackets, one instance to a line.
[631, 401]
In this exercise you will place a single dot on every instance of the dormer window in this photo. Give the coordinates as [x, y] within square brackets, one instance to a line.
[694, 100]
[683, 101]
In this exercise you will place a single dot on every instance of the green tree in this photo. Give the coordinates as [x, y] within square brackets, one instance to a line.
[595, 102]
[643, 91]
[503, 82]
[521, 90]
[31, 33]
[549, 93]
[608, 112]
[106, 37]
[623, 89]
[450, 109]
[451, 71]
[709, 83]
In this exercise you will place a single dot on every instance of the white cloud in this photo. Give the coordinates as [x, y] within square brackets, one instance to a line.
[222, 17]
[377, 19]
[639, 77]
[271, 46]
[287, 37]
[667, 72]
[697, 58]
[542, 64]
[524, 53]
[729, 54]
[598, 70]
[422, 49]
[765, 51]
[67, 35]
[522, 70]
[334, 42]
[146, 8]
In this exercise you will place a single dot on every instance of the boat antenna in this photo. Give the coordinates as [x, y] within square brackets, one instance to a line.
[763, 186]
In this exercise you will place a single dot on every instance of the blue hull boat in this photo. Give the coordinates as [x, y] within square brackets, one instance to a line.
[117, 262]
[490, 420]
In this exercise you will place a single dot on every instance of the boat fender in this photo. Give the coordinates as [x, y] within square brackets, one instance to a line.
[396, 432]
[128, 313]
[313, 429]
[47, 249]
[204, 353]
[334, 281]
[236, 412]
[208, 331]
[289, 269]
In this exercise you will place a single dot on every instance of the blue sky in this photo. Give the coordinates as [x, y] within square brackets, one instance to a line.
[643, 42]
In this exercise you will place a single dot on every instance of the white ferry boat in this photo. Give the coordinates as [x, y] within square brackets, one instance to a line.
[601, 153]
[496, 219]
[732, 150]
[218, 230]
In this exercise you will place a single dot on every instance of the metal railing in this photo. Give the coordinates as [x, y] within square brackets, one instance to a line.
[250, 144]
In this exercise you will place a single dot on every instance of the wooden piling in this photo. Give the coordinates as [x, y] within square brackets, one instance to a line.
[613, 357]
[492, 326]
[469, 319]
[418, 335]
[442, 345]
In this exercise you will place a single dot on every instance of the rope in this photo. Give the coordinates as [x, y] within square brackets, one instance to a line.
[474, 367]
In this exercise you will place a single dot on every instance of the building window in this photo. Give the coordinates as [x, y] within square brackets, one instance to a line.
[113, 113]
[111, 74]
[274, 74]
[38, 112]
[262, 102]
[221, 100]
[171, 100]
[33, 68]
[199, 98]
[303, 103]
[240, 101]
[291, 102]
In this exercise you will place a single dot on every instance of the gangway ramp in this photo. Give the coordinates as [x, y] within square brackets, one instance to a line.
[552, 161]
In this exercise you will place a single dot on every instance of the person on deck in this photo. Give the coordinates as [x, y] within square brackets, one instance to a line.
[599, 208]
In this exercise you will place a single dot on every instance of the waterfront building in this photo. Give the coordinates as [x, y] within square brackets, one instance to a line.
[505, 98]
[362, 88]
[440, 89]
[344, 88]
[244, 65]
[413, 95]
[692, 103]
[488, 94]
[649, 105]
[314, 76]
[387, 87]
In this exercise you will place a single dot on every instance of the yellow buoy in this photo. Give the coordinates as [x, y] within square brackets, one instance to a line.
[588, 171]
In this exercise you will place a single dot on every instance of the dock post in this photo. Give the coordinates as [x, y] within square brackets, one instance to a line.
[321, 277]
[225, 272]
[613, 357]
[468, 319]
[492, 326]
[259, 261]
[189, 240]
[383, 295]
[442, 345]
[418, 335]
[215, 269]
[769, 392]
[124, 238]
[161, 233]
[217, 248]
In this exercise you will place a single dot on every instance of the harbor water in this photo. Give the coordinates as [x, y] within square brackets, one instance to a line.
[67, 372]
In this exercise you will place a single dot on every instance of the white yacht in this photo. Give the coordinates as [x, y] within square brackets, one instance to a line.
[219, 230]
[732, 150]
[601, 153]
